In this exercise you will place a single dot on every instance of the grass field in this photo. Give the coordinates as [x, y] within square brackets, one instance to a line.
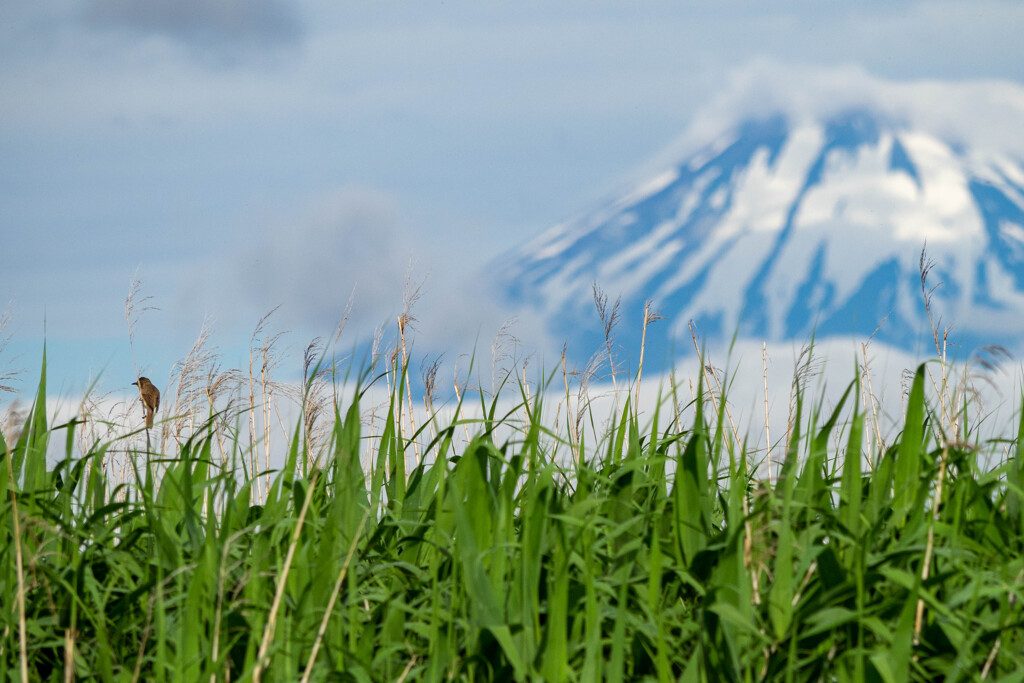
[520, 548]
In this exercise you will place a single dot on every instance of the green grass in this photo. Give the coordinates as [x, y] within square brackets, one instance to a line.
[654, 555]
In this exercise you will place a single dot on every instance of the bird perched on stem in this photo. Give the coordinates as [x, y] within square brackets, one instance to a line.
[150, 396]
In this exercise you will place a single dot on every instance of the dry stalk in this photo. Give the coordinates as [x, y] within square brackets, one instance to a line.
[526, 390]
[767, 431]
[429, 389]
[410, 296]
[500, 345]
[674, 386]
[747, 530]
[874, 409]
[805, 370]
[714, 399]
[69, 655]
[189, 377]
[808, 575]
[930, 543]
[649, 317]
[609, 319]
[261, 347]
[285, 435]
[258, 333]
[375, 355]
[945, 403]
[20, 577]
[268, 632]
[7, 376]
[390, 393]
[403, 320]
[221, 576]
[990, 660]
[14, 422]
[942, 391]
[583, 400]
[84, 435]
[255, 490]
[408, 668]
[217, 384]
[335, 592]
[268, 363]
[134, 306]
[370, 439]
[573, 444]
[265, 388]
[146, 631]
[458, 398]
[313, 399]
[728, 415]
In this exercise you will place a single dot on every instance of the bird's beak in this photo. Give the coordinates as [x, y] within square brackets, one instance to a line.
[135, 384]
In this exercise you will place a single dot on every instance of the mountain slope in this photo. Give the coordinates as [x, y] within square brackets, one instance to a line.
[786, 228]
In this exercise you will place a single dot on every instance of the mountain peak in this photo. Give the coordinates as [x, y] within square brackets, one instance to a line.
[785, 227]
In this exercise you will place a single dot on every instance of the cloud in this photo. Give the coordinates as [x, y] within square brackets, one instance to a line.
[354, 244]
[347, 242]
[984, 114]
[213, 27]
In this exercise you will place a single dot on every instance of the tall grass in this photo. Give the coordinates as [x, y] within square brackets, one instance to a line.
[523, 552]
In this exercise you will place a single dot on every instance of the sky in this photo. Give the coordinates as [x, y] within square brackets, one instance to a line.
[233, 157]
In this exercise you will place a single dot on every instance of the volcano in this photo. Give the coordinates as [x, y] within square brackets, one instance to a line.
[787, 228]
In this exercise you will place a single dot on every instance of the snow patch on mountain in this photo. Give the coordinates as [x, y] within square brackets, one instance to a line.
[784, 226]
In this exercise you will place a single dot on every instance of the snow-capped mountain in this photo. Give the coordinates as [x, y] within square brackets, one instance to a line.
[787, 227]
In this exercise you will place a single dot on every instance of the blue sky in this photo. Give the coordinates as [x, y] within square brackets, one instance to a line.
[238, 156]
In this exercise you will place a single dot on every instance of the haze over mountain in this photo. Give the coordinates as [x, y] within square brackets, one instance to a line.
[795, 220]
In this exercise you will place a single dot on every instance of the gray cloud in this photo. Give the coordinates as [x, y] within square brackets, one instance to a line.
[347, 245]
[354, 243]
[215, 27]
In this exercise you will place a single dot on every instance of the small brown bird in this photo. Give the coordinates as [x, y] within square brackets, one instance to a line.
[150, 396]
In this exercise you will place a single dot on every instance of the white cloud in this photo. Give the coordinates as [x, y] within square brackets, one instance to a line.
[983, 114]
